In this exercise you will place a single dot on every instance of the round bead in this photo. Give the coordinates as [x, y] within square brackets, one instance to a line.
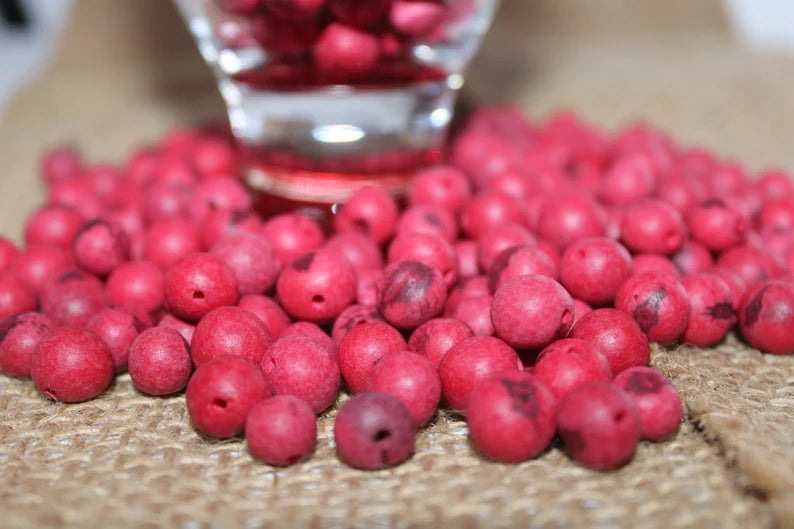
[363, 347]
[16, 296]
[72, 298]
[617, 336]
[118, 329]
[19, 336]
[371, 211]
[169, 240]
[267, 310]
[511, 417]
[430, 220]
[229, 331]
[410, 378]
[37, 265]
[566, 219]
[252, 260]
[292, 235]
[494, 241]
[490, 210]
[198, 283]
[443, 186]
[657, 401]
[711, 314]
[53, 225]
[8, 252]
[766, 316]
[360, 250]
[435, 337]
[658, 303]
[185, 329]
[136, 285]
[593, 269]
[159, 361]
[351, 317]
[71, 365]
[427, 249]
[518, 261]
[653, 227]
[693, 258]
[374, 430]
[312, 330]
[475, 312]
[412, 293]
[281, 430]
[567, 364]
[649, 262]
[629, 180]
[716, 225]
[750, 263]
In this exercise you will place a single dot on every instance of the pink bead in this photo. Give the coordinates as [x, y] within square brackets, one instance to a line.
[443, 186]
[412, 293]
[649, 262]
[692, 258]
[752, 264]
[679, 193]
[38, 264]
[735, 283]
[363, 347]
[360, 250]
[19, 336]
[185, 329]
[658, 303]
[198, 283]
[490, 210]
[491, 243]
[656, 399]
[222, 222]
[653, 227]
[600, 425]
[416, 19]
[71, 365]
[475, 312]
[617, 336]
[766, 316]
[567, 364]
[163, 200]
[292, 235]
[214, 158]
[410, 378]
[511, 417]
[169, 240]
[593, 269]
[78, 194]
[716, 225]
[435, 337]
[136, 285]
[312, 330]
[368, 283]
[427, 249]
[517, 261]
[428, 219]
[470, 362]
[630, 179]
[777, 215]
[351, 317]
[711, 314]
[267, 310]
[303, 367]
[72, 298]
[118, 329]
[775, 184]
[466, 250]
[53, 225]
[343, 51]
[580, 309]
[371, 211]
[252, 260]
[222, 392]
[218, 193]
[60, 163]
[229, 331]
[159, 362]
[100, 247]
[530, 312]
[16, 296]
[515, 183]
[566, 219]
[317, 286]
[281, 430]
[373, 430]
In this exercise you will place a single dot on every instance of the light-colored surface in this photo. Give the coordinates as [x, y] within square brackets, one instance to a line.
[129, 73]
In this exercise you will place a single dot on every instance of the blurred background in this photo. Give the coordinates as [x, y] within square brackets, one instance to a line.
[108, 75]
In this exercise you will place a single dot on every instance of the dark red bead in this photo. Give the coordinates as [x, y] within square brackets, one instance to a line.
[351, 317]
[118, 329]
[159, 361]
[281, 430]
[229, 331]
[412, 293]
[430, 250]
[19, 336]
[198, 283]
[357, 14]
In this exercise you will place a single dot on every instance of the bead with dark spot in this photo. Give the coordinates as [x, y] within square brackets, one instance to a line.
[412, 293]
[657, 401]
[658, 303]
[711, 314]
[766, 317]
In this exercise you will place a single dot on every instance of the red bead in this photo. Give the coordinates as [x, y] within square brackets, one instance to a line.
[252, 260]
[78, 194]
[198, 283]
[679, 192]
[429, 220]
[317, 286]
[136, 285]
[494, 241]
[530, 312]
[71, 365]
[630, 179]
[16, 296]
[312, 330]
[475, 312]
[72, 298]
[511, 417]
[593, 269]
[169, 240]
[412, 293]
[777, 215]
[692, 258]
[38, 264]
[443, 186]
[435, 337]
[427, 249]
[766, 316]
[360, 250]
[218, 193]
[373, 430]
[164, 200]
[412, 379]
[567, 364]
[53, 225]
[600, 425]
[343, 51]
[653, 227]
[752, 264]
[466, 250]
[569, 218]
[118, 329]
[351, 317]
[416, 19]
[711, 314]
[775, 184]
[283, 35]
[517, 261]
[716, 225]
[281, 430]
[60, 163]
[580, 309]
[222, 392]
[214, 158]
[8, 252]
[159, 361]
[363, 347]
[368, 283]
[357, 14]
[656, 399]
[658, 303]
[735, 283]
[617, 336]
[222, 222]
[470, 362]
[267, 310]
[490, 210]
[19, 336]
[292, 235]
[185, 329]
[649, 262]
[229, 331]
[303, 367]
[371, 211]
[99, 247]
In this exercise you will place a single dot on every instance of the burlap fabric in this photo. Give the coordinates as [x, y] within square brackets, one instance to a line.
[128, 72]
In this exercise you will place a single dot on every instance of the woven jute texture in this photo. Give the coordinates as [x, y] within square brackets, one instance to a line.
[128, 72]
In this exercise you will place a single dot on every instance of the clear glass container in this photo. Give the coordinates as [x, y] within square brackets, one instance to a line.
[312, 135]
